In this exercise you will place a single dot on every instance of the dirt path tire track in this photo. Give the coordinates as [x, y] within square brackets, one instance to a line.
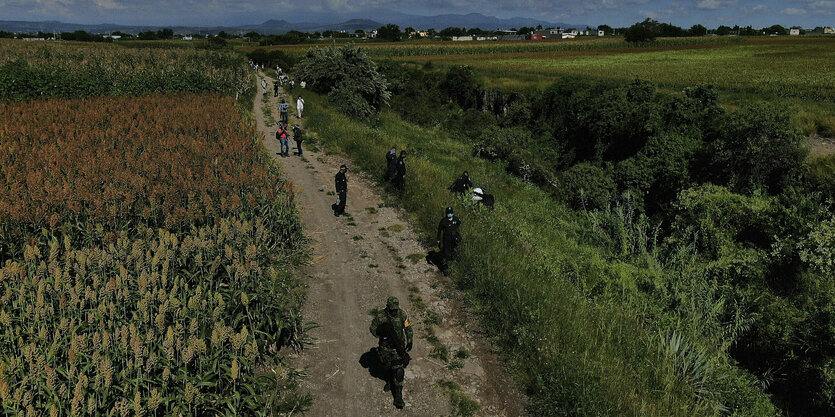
[358, 261]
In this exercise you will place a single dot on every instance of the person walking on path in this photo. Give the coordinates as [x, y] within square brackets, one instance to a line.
[299, 106]
[292, 85]
[302, 84]
[264, 85]
[399, 180]
[298, 136]
[391, 163]
[275, 89]
[448, 238]
[282, 136]
[282, 108]
[341, 183]
[395, 337]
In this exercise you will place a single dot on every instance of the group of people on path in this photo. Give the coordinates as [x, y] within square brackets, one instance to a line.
[283, 137]
[391, 325]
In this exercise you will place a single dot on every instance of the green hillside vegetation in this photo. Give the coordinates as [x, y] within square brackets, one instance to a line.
[792, 72]
[651, 253]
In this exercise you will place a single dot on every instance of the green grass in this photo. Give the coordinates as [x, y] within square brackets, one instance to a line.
[795, 72]
[576, 328]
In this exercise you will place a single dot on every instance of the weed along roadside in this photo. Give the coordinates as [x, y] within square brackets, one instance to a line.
[532, 282]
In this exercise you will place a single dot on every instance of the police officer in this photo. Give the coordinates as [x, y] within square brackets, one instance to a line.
[341, 183]
[391, 326]
[298, 136]
[448, 238]
[462, 184]
[399, 179]
[391, 163]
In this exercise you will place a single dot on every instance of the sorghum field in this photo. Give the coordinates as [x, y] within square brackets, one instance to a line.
[145, 241]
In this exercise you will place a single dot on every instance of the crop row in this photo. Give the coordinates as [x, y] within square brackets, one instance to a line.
[30, 70]
[492, 47]
[96, 166]
[152, 325]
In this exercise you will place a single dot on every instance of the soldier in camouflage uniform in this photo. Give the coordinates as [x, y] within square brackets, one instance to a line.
[391, 326]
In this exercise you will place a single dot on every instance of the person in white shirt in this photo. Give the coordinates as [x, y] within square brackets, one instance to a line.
[300, 106]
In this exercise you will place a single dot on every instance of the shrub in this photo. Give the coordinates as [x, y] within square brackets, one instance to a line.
[350, 71]
[461, 87]
[756, 147]
[586, 186]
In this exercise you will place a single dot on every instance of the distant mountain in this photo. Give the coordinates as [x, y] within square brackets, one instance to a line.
[472, 20]
[313, 23]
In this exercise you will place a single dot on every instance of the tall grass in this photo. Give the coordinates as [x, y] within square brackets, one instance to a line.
[584, 332]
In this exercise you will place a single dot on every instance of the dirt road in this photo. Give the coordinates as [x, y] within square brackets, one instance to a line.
[358, 261]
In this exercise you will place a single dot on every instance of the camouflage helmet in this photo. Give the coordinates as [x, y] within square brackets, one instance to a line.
[392, 303]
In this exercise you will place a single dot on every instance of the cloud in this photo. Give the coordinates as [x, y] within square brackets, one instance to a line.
[108, 4]
[792, 11]
[714, 4]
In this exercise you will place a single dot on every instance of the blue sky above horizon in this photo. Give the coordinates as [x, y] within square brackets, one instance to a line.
[711, 13]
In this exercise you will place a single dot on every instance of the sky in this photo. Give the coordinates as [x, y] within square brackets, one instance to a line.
[711, 13]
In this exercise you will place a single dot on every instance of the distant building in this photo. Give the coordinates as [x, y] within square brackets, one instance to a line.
[462, 38]
[512, 37]
[538, 36]
[569, 35]
[829, 31]
[600, 33]
[794, 32]
[371, 35]
[187, 38]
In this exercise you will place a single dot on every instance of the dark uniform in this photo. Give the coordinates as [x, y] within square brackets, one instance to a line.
[391, 164]
[448, 237]
[298, 136]
[391, 326]
[462, 184]
[341, 183]
[399, 180]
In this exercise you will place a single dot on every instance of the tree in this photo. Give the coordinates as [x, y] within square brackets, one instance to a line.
[606, 29]
[461, 87]
[723, 30]
[641, 32]
[775, 30]
[389, 32]
[254, 36]
[698, 30]
[452, 31]
[165, 33]
[525, 30]
[147, 35]
[222, 34]
[757, 147]
[348, 76]
[409, 30]
[217, 42]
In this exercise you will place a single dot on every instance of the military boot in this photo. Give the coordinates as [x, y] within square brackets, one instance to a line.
[398, 397]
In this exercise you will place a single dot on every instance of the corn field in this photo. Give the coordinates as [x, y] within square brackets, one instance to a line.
[32, 70]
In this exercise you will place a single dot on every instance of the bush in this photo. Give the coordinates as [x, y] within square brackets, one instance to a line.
[586, 186]
[350, 71]
[756, 147]
[461, 87]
